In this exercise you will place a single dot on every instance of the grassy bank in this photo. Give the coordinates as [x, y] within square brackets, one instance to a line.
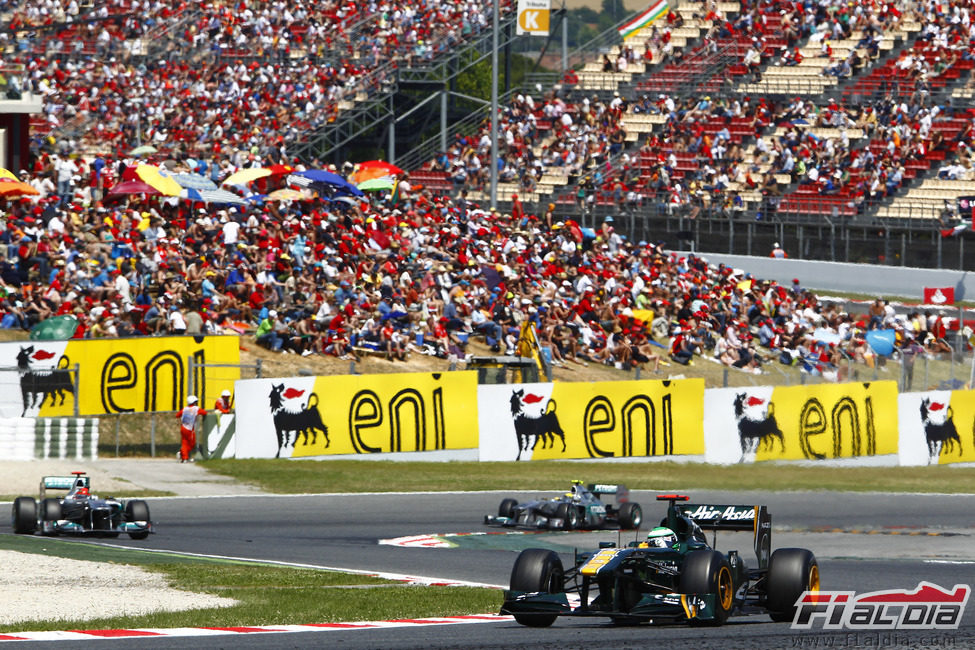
[303, 476]
[267, 595]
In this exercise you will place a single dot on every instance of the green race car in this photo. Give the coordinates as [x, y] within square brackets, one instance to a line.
[674, 576]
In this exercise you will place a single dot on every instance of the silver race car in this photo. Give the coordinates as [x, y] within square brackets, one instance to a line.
[581, 508]
[79, 512]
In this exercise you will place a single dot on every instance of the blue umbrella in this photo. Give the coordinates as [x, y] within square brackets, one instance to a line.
[321, 177]
[194, 181]
[882, 341]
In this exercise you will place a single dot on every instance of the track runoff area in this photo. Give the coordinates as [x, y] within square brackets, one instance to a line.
[864, 549]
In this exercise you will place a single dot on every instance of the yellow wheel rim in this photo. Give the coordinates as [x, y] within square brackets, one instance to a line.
[814, 578]
[726, 589]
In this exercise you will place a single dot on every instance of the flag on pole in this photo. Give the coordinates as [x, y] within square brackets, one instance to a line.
[655, 11]
[951, 232]
[939, 295]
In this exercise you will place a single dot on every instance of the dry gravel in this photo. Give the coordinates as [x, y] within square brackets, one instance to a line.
[50, 588]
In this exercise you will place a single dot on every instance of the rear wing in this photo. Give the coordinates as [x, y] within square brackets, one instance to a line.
[726, 517]
[621, 492]
[62, 483]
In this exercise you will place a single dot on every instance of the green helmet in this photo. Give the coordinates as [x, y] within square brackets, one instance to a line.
[661, 537]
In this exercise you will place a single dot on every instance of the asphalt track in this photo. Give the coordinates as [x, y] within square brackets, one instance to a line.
[864, 542]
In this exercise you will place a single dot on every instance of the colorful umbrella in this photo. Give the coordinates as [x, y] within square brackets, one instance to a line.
[328, 181]
[245, 176]
[10, 187]
[288, 194]
[362, 175]
[159, 178]
[132, 187]
[376, 185]
[58, 328]
[194, 181]
[222, 197]
[390, 168]
[6, 173]
[144, 150]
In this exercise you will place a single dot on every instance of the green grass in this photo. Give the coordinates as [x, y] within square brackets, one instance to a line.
[295, 477]
[266, 595]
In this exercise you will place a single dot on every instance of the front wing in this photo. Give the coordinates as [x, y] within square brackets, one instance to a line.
[68, 527]
[532, 520]
[652, 607]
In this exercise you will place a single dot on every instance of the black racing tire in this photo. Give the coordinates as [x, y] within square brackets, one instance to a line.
[630, 516]
[137, 510]
[537, 570]
[791, 571]
[51, 510]
[23, 515]
[708, 572]
[507, 508]
[569, 515]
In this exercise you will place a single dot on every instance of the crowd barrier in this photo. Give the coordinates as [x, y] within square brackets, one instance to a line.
[103, 376]
[48, 438]
[856, 423]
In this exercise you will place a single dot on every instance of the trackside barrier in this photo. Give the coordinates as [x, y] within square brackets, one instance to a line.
[48, 438]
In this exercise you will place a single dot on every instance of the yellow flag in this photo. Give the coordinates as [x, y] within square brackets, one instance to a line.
[528, 345]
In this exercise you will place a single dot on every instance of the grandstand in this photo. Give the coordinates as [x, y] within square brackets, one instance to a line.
[843, 132]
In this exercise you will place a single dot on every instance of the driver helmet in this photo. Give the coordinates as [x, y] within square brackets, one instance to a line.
[81, 492]
[661, 537]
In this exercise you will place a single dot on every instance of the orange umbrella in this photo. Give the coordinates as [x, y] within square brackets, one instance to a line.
[10, 187]
[381, 164]
[360, 176]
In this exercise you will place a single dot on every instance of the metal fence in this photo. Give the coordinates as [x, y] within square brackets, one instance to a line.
[157, 432]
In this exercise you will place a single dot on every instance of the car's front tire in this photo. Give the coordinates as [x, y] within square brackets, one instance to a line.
[507, 508]
[791, 571]
[23, 515]
[708, 572]
[137, 511]
[537, 570]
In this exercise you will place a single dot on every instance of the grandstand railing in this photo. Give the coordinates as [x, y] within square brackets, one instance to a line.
[372, 95]
[468, 125]
[448, 65]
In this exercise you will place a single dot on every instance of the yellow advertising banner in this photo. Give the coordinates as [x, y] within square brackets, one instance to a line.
[937, 427]
[824, 421]
[118, 375]
[591, 419]
[359, 414]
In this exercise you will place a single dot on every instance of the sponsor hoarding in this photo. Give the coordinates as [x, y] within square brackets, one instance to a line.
[115, 375]
[590, 419]
[817, 422]
[356, 414]
[936, 427]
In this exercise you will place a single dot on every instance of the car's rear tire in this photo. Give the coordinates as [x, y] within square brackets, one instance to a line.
[569, 515]
[708, 572]
[137, 511]
[507, 508]
[791, 571]
[537, 570]
[23, 515]
[630, 516]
